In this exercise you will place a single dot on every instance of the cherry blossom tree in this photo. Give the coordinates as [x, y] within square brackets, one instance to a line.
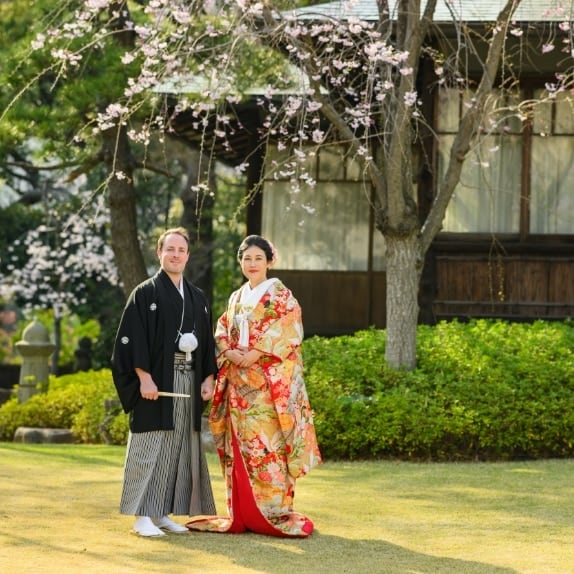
[356, 84]
[52, 265]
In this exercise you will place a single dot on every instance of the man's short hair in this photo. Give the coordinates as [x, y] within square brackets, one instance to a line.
[173, 230]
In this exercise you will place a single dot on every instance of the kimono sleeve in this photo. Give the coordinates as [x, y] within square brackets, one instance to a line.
[222, 335]
[131, 351]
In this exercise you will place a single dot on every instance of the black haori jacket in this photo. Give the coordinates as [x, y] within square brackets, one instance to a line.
[146, 339]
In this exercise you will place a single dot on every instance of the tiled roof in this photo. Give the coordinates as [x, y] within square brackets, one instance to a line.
[446, 10]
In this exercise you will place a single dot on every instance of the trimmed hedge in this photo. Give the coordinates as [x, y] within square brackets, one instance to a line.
[483, 390]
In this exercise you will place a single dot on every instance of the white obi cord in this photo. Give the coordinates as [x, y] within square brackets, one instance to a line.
[248, 300]
[187, 341]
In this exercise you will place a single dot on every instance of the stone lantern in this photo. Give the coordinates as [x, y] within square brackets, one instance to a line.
[35, 348]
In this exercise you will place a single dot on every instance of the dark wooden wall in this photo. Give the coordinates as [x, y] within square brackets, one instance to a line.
[337, 302]
[518, 286]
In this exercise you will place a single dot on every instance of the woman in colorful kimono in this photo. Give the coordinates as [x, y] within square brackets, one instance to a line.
[260, 416]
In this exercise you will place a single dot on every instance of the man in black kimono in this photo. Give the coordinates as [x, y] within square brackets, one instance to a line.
[163, 366]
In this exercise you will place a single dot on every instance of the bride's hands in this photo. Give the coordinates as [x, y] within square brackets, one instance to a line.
[243, 359]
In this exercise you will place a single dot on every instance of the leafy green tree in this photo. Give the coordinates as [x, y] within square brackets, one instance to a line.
[50, 120]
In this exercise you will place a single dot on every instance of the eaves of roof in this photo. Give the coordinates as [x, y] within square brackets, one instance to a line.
[446, 11]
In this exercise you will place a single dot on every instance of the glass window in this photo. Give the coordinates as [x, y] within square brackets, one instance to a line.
[379, 252]
[552, 169]
[487, 198]
[324, 226]
[318, 228]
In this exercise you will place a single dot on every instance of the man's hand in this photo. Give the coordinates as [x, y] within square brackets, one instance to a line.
[207, 389]
[148, 389]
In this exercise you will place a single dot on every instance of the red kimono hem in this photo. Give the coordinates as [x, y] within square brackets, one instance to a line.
[246, 514]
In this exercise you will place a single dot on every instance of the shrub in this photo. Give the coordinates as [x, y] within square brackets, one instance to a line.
[483, 390]
[76, 402]
[488, 390]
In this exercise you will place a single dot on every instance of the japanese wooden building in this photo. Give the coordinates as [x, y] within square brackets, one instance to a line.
[507, 245]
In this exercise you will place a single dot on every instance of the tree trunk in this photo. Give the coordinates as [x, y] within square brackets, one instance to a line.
[119, 165]
[122, 202]
[403, 271]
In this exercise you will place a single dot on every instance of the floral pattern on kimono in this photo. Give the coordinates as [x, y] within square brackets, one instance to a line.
[263, 413]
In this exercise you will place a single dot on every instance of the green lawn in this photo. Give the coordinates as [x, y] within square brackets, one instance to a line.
[58, 514]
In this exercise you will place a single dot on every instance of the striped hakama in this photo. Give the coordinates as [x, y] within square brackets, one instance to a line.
[166, 471]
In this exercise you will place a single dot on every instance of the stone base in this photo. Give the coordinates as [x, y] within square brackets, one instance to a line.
[39, 435]
[65, 436]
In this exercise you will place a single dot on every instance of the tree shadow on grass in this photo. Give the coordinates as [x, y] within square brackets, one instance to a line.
[248, 553]
[327, 554]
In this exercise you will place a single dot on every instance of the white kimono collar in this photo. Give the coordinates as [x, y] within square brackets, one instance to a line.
[249, 298]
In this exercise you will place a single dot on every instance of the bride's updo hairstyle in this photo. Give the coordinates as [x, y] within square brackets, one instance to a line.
[257, 241]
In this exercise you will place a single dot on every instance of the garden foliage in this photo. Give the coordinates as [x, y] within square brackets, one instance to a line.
[488, 390]
[73, 401]
[483, 390]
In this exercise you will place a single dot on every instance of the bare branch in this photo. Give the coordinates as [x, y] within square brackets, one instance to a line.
[32, 167]
[468, 126]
